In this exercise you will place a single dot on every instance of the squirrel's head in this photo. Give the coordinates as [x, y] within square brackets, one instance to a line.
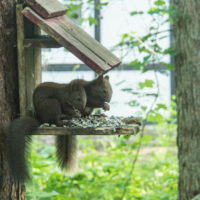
[77, 97]
[99, 92]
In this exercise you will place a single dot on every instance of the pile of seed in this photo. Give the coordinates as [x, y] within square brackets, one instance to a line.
[94, 121]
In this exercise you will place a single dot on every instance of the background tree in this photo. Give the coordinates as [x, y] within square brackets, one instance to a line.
[9, 101]
[187, 67]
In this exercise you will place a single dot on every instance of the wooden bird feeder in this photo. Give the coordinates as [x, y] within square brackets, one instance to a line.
[49, 16]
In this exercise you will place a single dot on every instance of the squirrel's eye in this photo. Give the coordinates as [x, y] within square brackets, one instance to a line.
[78, 99]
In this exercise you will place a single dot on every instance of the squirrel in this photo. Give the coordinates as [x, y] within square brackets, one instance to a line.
[52, 102]
[99, 93]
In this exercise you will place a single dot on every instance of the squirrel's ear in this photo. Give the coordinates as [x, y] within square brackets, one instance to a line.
[106, 77]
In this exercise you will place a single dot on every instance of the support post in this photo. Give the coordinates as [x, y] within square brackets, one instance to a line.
[32, 62]
[21, 60]
[29, 62]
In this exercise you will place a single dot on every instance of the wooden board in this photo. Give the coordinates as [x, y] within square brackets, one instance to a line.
[94, 125]
[72, 37]
[48, 8]
[88, 41]
[32, 63]
[29, 62]
[124, 130]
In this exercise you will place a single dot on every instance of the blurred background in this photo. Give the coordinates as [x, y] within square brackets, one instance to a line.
[111, 167]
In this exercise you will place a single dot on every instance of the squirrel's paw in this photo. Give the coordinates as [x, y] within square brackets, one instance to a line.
[106, 106]
[77, 113]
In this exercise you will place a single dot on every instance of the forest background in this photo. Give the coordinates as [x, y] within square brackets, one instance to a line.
[127, 167]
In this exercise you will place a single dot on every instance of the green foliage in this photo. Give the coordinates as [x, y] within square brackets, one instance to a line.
[76, 8]
[92, 20]
[148, 45]
[151, 57]
[105, 165]
[146, 83]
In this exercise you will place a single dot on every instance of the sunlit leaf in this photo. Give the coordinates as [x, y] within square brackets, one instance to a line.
[159, 2]
[147, 83]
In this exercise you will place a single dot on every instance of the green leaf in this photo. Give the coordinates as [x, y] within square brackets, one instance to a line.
[153, 11]
[161, 106]
[75, 67]
[155, 117]
[168, 66]
[92, 21]
[146, 83]
[136, 64]
[146, 37]
[159, 2]
[80, 176]
[75, 15]
[169, 51]
[101, 5]
[133, 13]
[144, 108]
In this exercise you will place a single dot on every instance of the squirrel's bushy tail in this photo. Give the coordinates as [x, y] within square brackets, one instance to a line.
[66, 151]
[18, 143]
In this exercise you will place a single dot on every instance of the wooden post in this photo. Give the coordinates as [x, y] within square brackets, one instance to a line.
[21, 59]
[33, 64]
[29, 62]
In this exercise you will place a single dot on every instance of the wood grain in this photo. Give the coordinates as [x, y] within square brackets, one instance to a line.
[48, 8]
[91, 43]
[21, 60]
[9, 96]
[82, 45]
[123, 130]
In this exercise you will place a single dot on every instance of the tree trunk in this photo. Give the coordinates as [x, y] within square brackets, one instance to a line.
[187, 66]
[9, 103]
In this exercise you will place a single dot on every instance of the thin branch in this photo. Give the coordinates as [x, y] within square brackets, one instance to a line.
[145, 120]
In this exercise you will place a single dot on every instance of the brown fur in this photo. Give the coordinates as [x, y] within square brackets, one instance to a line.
[99, 93]
[53, 101]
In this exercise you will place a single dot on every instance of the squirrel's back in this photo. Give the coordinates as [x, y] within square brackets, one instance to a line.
[51, 100]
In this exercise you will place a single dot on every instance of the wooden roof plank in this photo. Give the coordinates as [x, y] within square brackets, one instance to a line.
[88, 41]
[48, 8]
[78, 49]
[54, 29]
